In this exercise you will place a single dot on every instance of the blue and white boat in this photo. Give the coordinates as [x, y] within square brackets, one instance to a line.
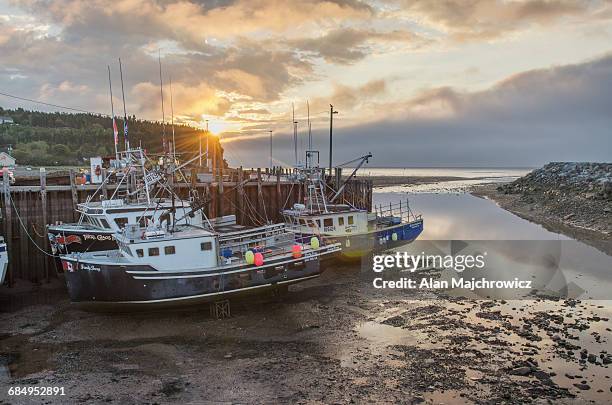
[358, 231]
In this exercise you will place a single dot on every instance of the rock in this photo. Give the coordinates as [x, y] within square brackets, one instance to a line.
[582, 386]
[521, 370]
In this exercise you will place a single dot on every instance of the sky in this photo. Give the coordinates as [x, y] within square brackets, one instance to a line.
[416, 83]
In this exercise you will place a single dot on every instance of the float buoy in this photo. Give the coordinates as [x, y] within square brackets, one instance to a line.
[314, 242]
[296, 250]
[249, 256]
[394, 237]
[259, 259]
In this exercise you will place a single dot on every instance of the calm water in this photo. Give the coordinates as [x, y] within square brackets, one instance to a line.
[469, 177]
[467, 172]
[461, 216]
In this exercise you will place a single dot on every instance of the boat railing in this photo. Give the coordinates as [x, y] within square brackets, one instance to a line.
[400, 210]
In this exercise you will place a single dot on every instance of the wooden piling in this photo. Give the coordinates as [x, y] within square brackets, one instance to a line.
[45, 210]
[8, 222]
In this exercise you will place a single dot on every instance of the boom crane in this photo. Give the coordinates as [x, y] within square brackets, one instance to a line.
[362, 160]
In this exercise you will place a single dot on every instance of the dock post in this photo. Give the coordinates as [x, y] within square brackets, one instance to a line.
[104, 184]
[279, 197]
[75, 195]
[240, 197]
[220, 190]
[43, 201]
[260, 201]
[8, 222]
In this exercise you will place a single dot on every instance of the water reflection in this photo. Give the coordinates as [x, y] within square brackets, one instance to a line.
[465, 217]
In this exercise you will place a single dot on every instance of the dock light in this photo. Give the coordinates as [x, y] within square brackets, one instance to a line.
[249, 256]
[296, 250]
[259, 259]
[314, 242]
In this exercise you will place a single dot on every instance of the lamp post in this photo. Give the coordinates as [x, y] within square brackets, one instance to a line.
[331, 126]
[270, 149]
[207, 144]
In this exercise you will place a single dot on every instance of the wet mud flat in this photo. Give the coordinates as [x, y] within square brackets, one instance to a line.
[331, 340]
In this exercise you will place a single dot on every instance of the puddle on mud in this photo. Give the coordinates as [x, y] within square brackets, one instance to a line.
[507, 331]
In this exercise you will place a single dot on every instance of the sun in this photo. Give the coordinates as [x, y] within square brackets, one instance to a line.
[218, 126]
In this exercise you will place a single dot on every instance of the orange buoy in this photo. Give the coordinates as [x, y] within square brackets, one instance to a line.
[296, 250]
[259, 259]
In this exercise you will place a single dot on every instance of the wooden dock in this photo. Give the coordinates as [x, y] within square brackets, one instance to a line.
[27, 209]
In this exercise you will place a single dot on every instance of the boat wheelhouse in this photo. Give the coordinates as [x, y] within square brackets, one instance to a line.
[191, 264]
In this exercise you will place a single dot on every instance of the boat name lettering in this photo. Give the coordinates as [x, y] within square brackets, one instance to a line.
[89, 267]
[97, 237]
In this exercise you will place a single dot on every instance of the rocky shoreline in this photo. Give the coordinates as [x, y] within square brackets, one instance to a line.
[574, 199]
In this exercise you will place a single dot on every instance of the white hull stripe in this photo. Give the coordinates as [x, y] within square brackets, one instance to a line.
[202, 295]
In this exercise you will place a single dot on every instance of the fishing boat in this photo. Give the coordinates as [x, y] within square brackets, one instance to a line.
[358, 231]
[141, 196]
[191, 264]
[3, 260]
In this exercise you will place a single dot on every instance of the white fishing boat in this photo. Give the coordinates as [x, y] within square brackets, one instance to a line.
[140, 197]
[190, 264]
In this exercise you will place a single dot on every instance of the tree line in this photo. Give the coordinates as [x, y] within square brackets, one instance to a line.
[55, 138]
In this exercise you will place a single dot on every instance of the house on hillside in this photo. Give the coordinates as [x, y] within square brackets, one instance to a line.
[4, 119]
[7, 160]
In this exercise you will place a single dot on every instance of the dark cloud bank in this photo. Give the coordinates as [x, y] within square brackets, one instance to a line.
[557, 114]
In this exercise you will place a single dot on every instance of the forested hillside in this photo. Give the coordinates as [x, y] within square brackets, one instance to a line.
[40, 138]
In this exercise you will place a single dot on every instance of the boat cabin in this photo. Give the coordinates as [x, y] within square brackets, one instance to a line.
[338, 221]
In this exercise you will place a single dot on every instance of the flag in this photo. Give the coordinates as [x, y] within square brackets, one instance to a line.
[115, 132]
[125, 126]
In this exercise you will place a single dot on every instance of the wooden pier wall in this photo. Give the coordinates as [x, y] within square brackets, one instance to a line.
[33, 206]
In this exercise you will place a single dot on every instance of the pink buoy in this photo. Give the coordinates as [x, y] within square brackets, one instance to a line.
[297, 251]
[259, 259]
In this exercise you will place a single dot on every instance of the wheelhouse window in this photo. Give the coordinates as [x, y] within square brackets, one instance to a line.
[350, 220]
[328, 222]
[139, 252]
[154, 251]
[121, 222]
[144, 221]
[104, 223]
[169, 250]
[206, 246]
[341, 221]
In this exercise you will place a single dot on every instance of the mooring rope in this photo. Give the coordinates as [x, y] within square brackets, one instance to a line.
[26, 230]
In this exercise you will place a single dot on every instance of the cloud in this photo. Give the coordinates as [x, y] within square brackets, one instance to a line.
[189, 23]
[348, 45]
[555, 114]
[487, 19]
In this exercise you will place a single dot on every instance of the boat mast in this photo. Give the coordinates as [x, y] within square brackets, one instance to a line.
[110, 87]
[172, 112]
[331, 125]
[295, 151]
[125, 123]
[161, 91]
[308, 163]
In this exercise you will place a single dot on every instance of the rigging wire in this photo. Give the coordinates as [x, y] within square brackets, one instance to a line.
[52, 105]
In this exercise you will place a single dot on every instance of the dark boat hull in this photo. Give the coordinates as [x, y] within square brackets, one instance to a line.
[356, 246]
[101, 285]
[67, 240]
